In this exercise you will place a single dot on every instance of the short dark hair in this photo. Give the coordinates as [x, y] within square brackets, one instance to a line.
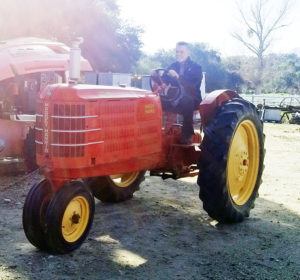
[183, 43]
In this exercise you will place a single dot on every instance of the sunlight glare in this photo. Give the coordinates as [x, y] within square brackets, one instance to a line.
[125, 257]
[214, 223]
[107, 239]
[119, 255]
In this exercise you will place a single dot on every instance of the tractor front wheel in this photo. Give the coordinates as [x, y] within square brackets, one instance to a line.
[231, 163]
[69, 217]
[34, 211]
[116, 188]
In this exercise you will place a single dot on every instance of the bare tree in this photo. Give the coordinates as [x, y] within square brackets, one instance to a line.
[260, 23]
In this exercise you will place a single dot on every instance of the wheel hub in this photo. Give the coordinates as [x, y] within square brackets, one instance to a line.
[75, 218]
[243, 162]
[243, 166]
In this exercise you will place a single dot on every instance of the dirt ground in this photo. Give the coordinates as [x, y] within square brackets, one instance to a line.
[163, 232]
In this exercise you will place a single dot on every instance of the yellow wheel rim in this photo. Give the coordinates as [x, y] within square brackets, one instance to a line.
[243, 162]
[124, 180]
[75, 218]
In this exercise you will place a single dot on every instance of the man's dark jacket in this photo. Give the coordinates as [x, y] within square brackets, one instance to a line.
[190, 79]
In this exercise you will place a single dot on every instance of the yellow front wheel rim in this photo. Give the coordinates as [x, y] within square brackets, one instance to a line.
[124, 180]
[75, 219]
[243, 162]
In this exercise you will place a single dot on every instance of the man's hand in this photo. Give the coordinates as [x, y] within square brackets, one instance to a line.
[173, 74]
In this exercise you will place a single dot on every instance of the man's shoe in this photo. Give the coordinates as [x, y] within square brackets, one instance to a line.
[185, 140]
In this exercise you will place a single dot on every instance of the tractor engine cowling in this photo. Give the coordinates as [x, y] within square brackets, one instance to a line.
[85, 130]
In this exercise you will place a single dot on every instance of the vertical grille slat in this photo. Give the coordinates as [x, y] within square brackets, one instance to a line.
[39, 130]
[68, 118]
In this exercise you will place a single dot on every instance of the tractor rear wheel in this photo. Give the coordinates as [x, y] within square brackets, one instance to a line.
[69, 217]
[231, 163]
[34, 211]
[116, 188]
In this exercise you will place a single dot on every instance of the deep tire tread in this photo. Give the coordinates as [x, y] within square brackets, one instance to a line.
[213, 162]
[34, 211]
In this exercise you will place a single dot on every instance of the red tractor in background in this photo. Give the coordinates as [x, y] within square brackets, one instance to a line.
[27, 66]
[98, 141]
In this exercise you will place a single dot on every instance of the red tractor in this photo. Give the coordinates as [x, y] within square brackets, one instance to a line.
[97, 141]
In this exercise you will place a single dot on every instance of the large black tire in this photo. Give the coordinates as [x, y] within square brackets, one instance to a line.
[34, 211]
[231, 162]
[69, 218]
[116, 188]
[29, 151]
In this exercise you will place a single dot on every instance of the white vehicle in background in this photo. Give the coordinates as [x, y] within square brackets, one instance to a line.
[27, 65]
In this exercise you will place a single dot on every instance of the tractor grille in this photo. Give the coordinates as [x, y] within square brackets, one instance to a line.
[68, 134]
[38, 129]
[68, 130]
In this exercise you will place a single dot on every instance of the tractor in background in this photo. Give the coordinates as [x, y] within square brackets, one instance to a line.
[98, 141]
[27, 66]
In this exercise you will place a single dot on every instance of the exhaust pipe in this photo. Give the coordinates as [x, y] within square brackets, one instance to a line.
[75, 59]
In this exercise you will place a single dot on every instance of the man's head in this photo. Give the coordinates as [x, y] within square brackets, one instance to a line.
[182, 51]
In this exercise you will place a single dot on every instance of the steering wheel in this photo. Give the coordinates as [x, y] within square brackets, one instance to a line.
[168, 88]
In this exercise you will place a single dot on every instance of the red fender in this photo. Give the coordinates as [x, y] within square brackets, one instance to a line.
[212, 101]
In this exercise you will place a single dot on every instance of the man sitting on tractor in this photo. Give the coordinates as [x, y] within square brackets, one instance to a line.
[187, 75]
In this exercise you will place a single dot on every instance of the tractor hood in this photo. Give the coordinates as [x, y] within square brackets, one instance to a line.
[74, 93]
[29, 55]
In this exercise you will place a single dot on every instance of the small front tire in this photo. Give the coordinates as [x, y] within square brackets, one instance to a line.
[34, 211]
[69, 217]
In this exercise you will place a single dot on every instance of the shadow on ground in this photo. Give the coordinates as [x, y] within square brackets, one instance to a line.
[162, 233]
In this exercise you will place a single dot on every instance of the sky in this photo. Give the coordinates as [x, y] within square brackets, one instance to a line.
[166, 22]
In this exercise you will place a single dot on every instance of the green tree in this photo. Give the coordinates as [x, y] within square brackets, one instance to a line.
[160, 59]
[246, 68]
[109, 43]
[281, 72]
[210, 61]
[217, 76]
